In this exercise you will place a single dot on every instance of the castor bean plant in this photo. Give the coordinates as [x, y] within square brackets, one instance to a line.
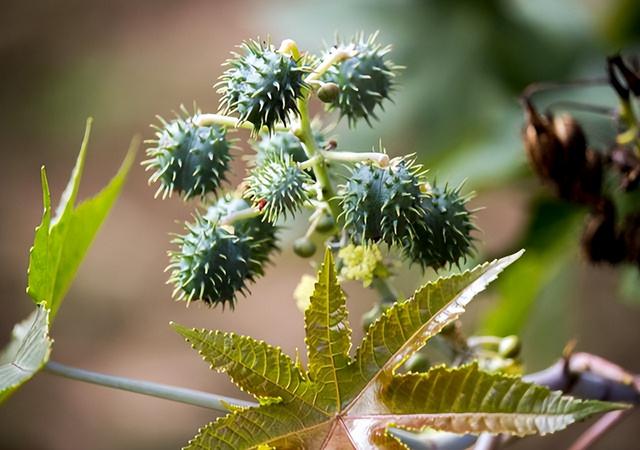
[370, 215]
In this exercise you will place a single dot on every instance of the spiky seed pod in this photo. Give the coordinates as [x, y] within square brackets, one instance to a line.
[364, 81]
[282, 142]
[383, 203]
[444, 236]
[188, 159]
[278, 187]
[261, 233]
[261, 85]
[213, 264]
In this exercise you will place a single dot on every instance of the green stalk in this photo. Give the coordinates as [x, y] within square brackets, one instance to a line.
[177, 394]
[247, 213]
[305, 134]
[204, 120]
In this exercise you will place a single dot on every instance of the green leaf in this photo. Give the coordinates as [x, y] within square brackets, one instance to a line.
[467, 400]
[328, 335]
[407, 326]
[254, 366]
[27, 352]
[345, 403]
[273, 425]
[61, 242]
[59, 246]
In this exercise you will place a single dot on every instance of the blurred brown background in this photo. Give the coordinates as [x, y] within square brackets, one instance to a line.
[123, 62]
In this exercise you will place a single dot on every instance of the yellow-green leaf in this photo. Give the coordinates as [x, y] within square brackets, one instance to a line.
[328, 336]
[255, 366]
[406, 326]
[340, 403]
[467, 400]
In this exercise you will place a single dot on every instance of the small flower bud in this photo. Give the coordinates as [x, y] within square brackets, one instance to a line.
[304, 247]
[328, 92]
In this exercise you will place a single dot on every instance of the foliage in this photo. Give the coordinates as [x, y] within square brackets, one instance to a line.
[60, 243]
[341, 401]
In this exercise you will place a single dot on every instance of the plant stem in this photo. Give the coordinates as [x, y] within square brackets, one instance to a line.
[382, 159]
[247, 213]
[599, 429]
[632, 134]
[331, 59]
[177, 394]
[204, 120]
[305, 134]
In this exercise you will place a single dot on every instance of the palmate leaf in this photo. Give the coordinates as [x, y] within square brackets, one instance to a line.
[59, 245]
[341, 402]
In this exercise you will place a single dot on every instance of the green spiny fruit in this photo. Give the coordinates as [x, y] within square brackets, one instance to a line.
[188, 159]
[213, 263]
[284, 142]
[444, 236]
[383, 203]
[278, 187]
[261, 85]
[261, 233]
[364, 81]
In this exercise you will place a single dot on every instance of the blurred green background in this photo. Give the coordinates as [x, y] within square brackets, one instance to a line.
[456, 106]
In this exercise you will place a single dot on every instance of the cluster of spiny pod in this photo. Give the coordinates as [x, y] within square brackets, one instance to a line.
[606, 180]
[266, 89]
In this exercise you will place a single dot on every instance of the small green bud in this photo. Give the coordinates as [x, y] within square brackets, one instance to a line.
[304, 247]
[510, 346]
[328, 92]
[326, 224]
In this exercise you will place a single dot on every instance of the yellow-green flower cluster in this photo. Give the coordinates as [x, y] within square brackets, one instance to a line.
[362, 263]
[303, 292]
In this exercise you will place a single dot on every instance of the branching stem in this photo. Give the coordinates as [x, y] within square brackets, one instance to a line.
[177, 394]
[305, 134]
[335, 57]
[382, 159]
[247, 213]
[204, 120]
